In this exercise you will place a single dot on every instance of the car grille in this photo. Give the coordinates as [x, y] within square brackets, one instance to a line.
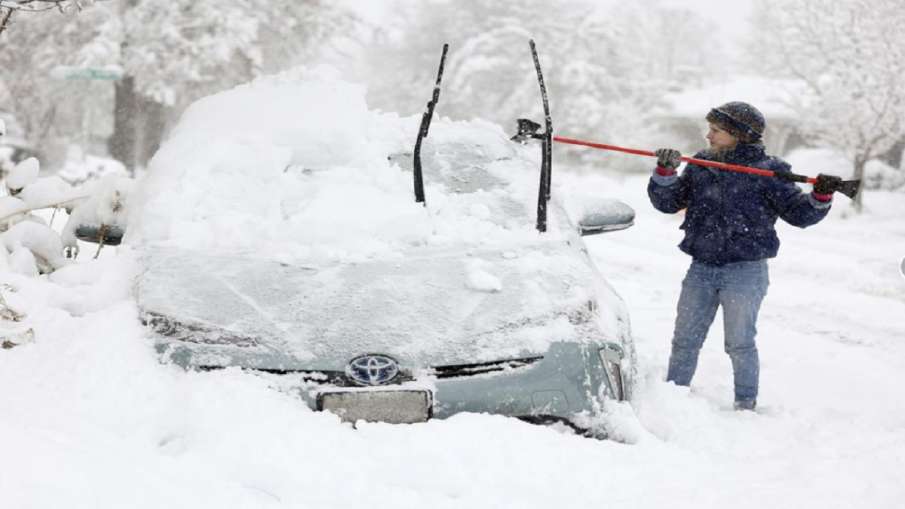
[481, 368]
[318, 377]
[340, 379]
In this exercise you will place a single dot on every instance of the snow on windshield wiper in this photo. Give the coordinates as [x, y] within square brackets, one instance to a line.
[422, 131]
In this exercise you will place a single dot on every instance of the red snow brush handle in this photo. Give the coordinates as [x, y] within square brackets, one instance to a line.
[699, 162]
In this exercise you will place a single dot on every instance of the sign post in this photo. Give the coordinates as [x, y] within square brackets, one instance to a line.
[108, 73]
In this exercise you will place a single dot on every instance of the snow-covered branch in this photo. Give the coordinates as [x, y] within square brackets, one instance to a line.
[43, 5]
[8, 7]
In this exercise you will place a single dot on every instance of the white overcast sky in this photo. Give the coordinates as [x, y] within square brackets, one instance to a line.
[731, 16]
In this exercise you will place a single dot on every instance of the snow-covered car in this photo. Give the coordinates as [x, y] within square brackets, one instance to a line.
[276, 232]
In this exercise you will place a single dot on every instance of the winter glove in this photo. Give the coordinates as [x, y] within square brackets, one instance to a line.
[827, 184]
[668, 158]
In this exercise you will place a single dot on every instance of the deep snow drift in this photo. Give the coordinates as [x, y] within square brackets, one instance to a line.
[92, 419]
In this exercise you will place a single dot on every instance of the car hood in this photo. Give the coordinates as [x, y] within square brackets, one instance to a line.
[427, 308]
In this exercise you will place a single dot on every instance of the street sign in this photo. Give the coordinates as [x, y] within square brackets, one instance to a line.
[110, 73]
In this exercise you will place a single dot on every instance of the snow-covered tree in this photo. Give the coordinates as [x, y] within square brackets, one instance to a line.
[8, 7]
[173, 55]
[26, 240]
[851, 55]
[169, 54]
[31, 49]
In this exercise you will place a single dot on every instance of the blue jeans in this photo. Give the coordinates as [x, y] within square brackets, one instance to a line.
[739, 288]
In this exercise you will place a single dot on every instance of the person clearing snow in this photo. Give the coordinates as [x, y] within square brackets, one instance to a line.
[729, 233]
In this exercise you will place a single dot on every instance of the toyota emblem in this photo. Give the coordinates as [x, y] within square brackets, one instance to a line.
[373, 369]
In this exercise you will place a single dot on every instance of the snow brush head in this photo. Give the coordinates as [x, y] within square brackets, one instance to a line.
[527, 130]
[740, 119]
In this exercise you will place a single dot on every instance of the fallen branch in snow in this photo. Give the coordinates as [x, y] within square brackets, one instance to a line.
[68, 201]
[101, 237]
[16, 335]
[28, 192]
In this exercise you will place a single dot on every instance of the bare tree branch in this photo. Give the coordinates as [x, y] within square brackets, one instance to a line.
[35, 5]
[8, 14]
[7, 7]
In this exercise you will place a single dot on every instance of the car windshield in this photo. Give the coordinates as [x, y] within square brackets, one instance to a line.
[322, 178]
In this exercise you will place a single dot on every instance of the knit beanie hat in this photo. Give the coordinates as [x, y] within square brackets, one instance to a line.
[740, 119]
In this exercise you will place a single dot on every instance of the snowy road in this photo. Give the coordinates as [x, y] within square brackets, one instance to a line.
[88, 418]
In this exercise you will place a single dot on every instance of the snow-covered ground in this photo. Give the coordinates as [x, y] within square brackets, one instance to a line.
[91, 419]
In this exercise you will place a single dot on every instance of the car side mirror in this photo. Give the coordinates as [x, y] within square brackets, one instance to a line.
[606, 216]
[108, 235]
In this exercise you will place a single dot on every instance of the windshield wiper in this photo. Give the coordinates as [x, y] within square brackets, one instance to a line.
[527, 129]
[422, 131]
[546, 165]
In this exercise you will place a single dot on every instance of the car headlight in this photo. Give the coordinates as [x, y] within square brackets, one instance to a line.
[193, 333]
[611, 356]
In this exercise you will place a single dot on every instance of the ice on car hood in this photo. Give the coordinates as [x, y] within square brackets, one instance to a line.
[425, 310]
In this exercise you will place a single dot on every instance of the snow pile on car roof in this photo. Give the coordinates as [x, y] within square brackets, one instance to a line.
[296, 165]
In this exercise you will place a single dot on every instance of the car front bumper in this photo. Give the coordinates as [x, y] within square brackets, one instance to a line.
[569, 380]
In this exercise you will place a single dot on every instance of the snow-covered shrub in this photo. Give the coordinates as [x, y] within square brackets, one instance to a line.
[22, 175]
[12, 210]
[28, 245]
[46, 191]
[106, 206]
[879, 175]
[29, 192]
[40, 241]
[82, 169]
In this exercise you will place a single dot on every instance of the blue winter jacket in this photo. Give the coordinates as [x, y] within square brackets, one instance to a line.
[730, 216]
